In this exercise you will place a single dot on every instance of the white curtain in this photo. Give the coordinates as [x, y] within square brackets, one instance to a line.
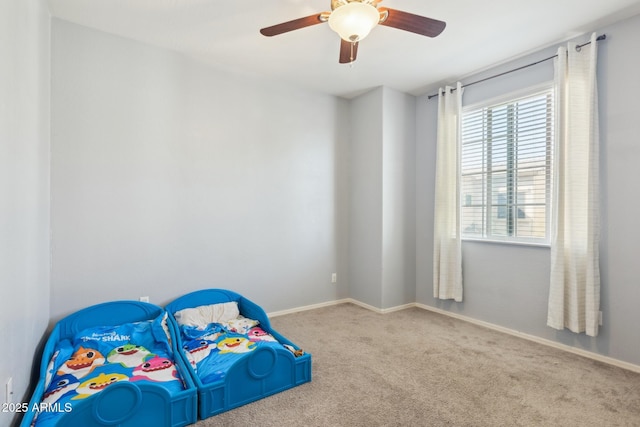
[447, 248]
[574, 297]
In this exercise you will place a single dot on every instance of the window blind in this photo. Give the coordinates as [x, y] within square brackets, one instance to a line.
[506, 168]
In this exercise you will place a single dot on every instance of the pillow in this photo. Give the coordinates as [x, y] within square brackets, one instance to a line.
[203, 315]
[241, 325]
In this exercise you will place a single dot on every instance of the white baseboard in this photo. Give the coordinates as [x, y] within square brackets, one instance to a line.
[340, 301]
[584, 353]
[379, 310]
[308, 307]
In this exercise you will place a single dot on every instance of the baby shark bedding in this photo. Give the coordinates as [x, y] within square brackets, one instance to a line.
[125, 373]
[213, 347]
[233, 354]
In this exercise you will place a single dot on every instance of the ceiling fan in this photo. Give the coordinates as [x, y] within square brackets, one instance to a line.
[354, 19]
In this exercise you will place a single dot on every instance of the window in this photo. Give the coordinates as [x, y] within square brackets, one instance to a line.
[506, 168]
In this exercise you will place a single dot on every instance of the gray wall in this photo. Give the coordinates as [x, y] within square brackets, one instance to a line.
[365, 198]
[507, 285]
[382, 204]
[24, 189]
[169, 177]
[398, 198]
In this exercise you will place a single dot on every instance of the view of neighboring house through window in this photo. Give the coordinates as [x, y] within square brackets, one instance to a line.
[506, 168]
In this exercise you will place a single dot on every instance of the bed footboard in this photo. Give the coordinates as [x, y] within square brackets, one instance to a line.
[126, 404]
[262, 373]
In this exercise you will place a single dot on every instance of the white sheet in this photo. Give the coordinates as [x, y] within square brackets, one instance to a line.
[203, 315]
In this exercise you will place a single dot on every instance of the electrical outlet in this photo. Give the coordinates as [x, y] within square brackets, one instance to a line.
[9, 389]
[144, 299]
[334, 278]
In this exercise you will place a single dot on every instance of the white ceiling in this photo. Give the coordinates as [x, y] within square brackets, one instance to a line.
[225, 35]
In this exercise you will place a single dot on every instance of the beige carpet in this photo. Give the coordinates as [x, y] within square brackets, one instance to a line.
[417, 368]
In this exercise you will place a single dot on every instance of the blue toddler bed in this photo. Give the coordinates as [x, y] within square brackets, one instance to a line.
[113, 364]
[231, 351]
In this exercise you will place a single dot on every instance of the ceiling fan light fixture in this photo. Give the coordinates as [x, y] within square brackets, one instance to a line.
[354, 20]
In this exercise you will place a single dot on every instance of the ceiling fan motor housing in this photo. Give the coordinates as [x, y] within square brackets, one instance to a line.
[354, 20]
[337, 3]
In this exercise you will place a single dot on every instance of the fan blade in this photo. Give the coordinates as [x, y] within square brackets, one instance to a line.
[410, 22]
[295, 24]
[348, 51]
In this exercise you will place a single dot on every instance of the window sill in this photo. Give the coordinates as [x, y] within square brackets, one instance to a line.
[507, 242]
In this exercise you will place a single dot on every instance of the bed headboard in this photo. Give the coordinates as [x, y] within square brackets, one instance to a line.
[107, 314]
[202, 297]
[215, 296]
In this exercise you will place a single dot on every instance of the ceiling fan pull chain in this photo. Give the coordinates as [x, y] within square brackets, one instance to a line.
[351, 57]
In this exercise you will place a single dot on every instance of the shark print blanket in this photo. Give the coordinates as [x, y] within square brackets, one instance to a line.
[211, 350]
[99, 357]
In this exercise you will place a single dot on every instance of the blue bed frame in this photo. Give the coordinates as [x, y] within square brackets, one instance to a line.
[258, 374]
[124, 404]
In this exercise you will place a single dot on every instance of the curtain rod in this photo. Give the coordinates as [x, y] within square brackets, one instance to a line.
[578, 47]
